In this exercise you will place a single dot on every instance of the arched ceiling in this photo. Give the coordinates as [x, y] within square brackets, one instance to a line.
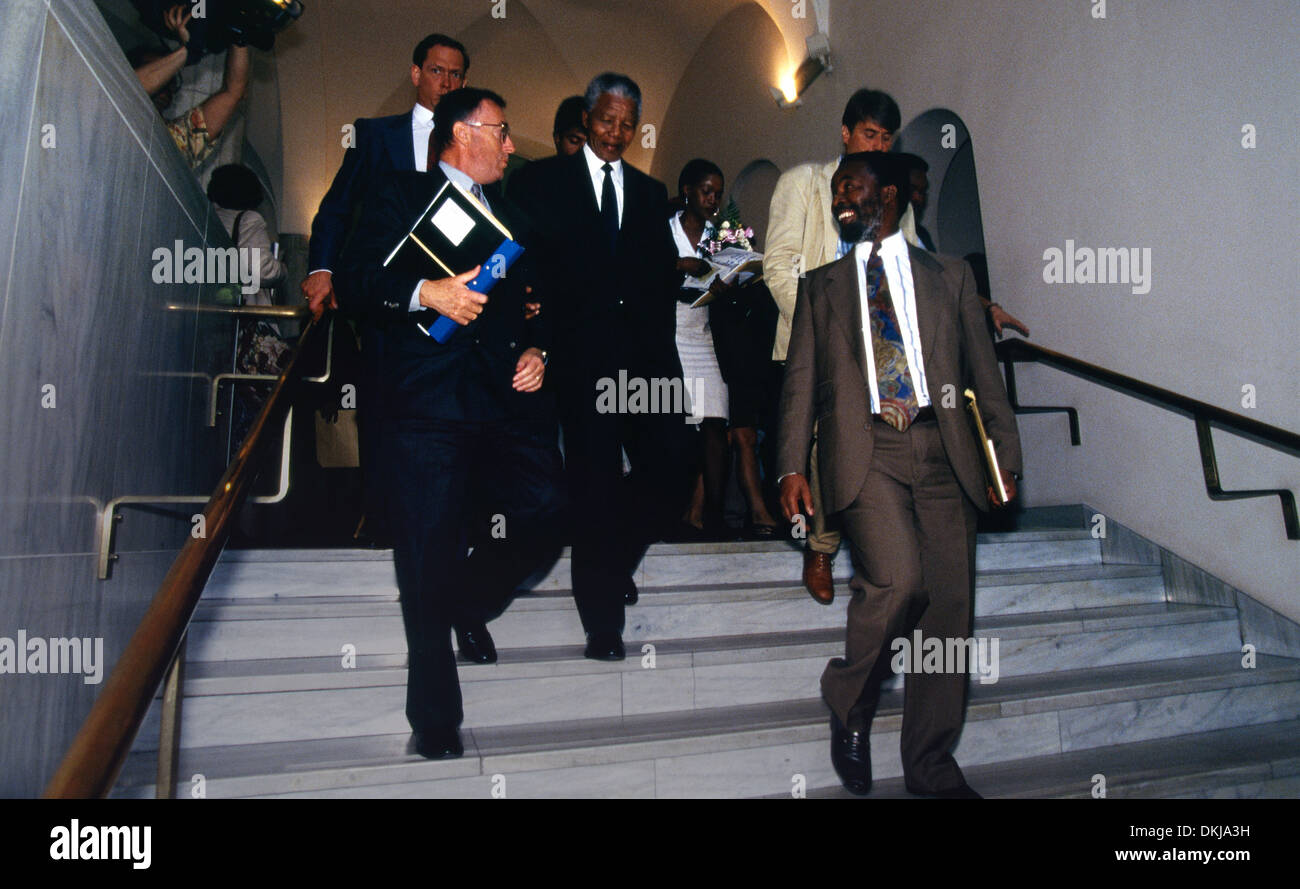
[349, 58]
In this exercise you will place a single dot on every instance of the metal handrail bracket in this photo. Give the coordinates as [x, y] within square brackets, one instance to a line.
[269, 378]
[93, 760]
[1203, 415]
[109, 517]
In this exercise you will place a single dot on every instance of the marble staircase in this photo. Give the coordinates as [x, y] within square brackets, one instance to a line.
[1099, 673]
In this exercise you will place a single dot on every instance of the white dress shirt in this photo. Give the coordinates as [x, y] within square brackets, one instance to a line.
[421, 131]
[594, 165]
[898, 272]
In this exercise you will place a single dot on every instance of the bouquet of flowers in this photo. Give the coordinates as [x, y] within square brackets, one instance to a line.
[730, 232]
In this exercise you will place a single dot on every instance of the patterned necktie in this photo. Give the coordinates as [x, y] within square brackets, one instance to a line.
[898, 406]
[477, 191]
[609, 208]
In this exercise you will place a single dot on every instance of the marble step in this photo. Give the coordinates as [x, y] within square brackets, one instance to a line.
[305, 572]
[302, 700]
[1019, 637]
[752, 750]
[997, 592]
[317, 627]
[1248, 762]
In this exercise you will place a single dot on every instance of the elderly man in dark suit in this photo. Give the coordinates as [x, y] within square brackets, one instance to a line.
[470, 437]
[609, 268]
[884, 341]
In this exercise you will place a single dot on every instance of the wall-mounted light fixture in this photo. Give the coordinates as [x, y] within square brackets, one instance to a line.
[792, 85]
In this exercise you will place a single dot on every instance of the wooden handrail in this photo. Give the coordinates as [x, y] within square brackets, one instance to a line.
[92, 762]
[1203, 415]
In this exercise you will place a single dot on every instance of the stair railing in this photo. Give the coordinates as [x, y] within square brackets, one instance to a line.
[1205, 417]
[91, 764]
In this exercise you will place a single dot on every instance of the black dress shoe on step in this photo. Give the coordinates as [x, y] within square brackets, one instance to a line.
[961, 791]
[629, 593]
[851, 757]
[438, 743]
[604, 647]
[475, 645]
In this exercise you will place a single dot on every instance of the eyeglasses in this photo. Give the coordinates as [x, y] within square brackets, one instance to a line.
[503, 127]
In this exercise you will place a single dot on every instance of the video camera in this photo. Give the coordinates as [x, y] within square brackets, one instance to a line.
[217, 24]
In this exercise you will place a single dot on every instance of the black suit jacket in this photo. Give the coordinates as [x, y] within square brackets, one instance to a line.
[383, 144]
[469, 376]
[608, 311]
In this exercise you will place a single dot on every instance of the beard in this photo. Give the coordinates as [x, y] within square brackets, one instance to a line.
[864, 228]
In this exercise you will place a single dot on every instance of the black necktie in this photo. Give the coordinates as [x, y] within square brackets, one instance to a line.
[609, 208]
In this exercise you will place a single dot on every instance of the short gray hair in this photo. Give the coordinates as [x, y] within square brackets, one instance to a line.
[616, 85]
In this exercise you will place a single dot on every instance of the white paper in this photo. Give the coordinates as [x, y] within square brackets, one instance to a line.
[723, 263]
[453, 222]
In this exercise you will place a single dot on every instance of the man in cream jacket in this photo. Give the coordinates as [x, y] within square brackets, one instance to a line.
[802, 235]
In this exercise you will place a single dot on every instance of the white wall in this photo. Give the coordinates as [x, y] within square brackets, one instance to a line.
[1123, 131]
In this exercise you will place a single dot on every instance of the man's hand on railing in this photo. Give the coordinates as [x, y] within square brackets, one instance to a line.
[1001, 318]
[318, 289]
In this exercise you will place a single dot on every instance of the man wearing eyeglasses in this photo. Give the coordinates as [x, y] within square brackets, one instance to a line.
[469, 453]
[381, 145]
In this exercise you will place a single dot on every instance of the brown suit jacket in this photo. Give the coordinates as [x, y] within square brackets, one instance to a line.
[826, 377]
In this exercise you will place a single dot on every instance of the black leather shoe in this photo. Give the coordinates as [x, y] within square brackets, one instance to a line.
[851, 757]
[438, 743]
[629, 593]
[475, 645]
[604, 647]
[961, 791]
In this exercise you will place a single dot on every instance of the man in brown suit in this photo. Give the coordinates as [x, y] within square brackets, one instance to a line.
[896, 458]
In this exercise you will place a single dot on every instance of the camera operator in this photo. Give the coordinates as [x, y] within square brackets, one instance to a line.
[195, 132]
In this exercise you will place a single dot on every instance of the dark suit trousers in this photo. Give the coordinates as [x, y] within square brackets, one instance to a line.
[445, 481]
[912, 533]
[615, 518]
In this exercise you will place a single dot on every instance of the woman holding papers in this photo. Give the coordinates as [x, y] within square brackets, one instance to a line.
[700, 187]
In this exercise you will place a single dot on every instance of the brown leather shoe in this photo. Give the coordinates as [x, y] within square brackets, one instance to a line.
[817, 576]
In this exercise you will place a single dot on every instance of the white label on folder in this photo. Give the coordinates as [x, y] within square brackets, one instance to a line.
[453, 222]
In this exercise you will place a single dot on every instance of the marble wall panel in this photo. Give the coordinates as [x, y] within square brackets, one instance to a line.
[24, 25]
[80, 311]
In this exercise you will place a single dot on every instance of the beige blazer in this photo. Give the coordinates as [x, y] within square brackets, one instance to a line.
[800, 224]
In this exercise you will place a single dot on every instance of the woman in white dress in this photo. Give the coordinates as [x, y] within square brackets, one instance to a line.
[700, 187]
